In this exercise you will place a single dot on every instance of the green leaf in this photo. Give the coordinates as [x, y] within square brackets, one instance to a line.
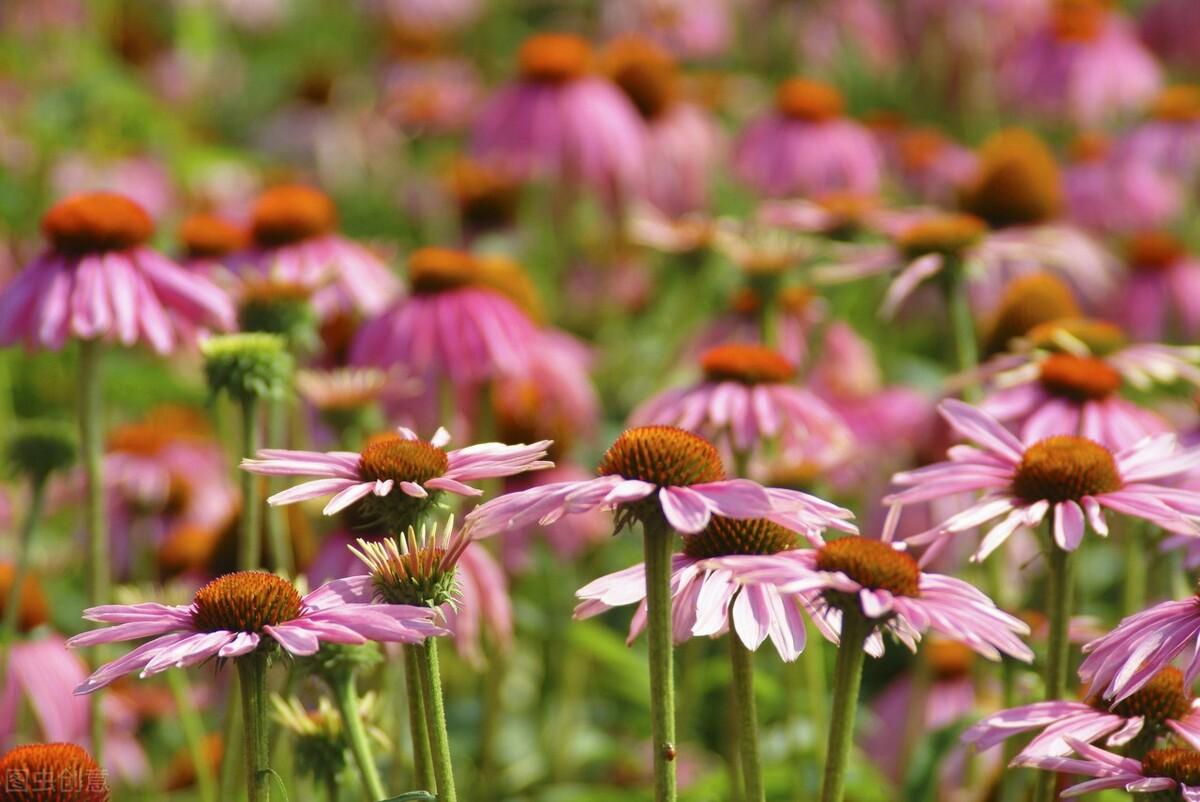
[412, 796]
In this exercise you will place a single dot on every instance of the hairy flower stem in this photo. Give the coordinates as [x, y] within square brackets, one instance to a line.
[658, 547]
[742, 662]
[966, 351]
[422, 760]
[250, 541]
[277, 536]
[846, 683]
[12, 605]
[435, 721]
[91, 439]
[1133, 590]
[345, 696]
[252, 671]
[193, 733]
[1060, 585]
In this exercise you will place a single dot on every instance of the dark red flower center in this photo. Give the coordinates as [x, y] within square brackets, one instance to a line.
[33, 606]
[812, 101]
[746, 363]
[1079, 378]
[390, 456]
[206, 236]
[920, 148]
[1028, 302]
[1180, 765]
[292, 213]
[1017, 182]
[645, 72]
[1090, 147]
[55, 772]
[725, 536]
[432, 269]
[1160, 699]
[1178, 104]
[663, 456]
[1155, 251]
[1065, 468]
[945, 234]
[555, 57]
[162, 427]
[245, 601]
[949, 659]
[487, 197]
[96, 222]
[872, 564]
[1079, 20]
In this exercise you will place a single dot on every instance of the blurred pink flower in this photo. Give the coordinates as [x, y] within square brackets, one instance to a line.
[1161, 297]
[568, 537]
[431, 95]
[1109, 194]
[829, 30]
[142, 179]
[1169, 138]
[689, 28]
[1161, 771]
[1171, 28]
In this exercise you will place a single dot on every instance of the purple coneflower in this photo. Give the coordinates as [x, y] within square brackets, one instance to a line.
[1172, 773]
[807, 147]
[1161, 296]
[52, 772]
[1110, 194]
[1169, 139]
[689, 28]
[208, 243]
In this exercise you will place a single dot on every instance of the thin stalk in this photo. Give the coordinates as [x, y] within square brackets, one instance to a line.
[491, 716]
[658, 546]
[193, 733]
[422, 758]
[846, 684]
[345, 696]
[250, 542]
[252, 670]
[12, 605]
[1059, 588]
[813, 664]
[277, 537]
[742, 662]
[435, 721]
[91, 435]
[1133, 590]
[231, 739]
[331, 789]
[966, 351]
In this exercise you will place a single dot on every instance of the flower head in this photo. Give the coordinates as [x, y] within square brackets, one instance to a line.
[1170, 773]
[238, 613]
[418, 568]
[56, 772]
[247, 365]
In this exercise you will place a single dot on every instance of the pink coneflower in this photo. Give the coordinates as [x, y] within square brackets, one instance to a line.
[429, 16]
[1112, 195]
[455, 325]
[1084, 65]
[235, 613]
[932, 167]
[1070, 478]
[560, 121]
[397, 477]
[487, 197]
[682, 141]
[884, 584]
[689, 28]
[807, 147]
[706, 597]
[798, 312]
[1161, 707]
[431, 95]
[1160, 297]
[98, 279]
[568, 538]
[1171, 29]
[295, 241]
[208, 243]
[831, 29]
[747, 401]
[1171, 773]
[660, 473]
[141, 179]
[1169, 139]
[51, 772]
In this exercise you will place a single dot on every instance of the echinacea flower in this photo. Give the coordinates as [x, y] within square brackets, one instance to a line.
[208, 243]
[396, 477]
[1069, 478]
[295, 240]
[1159, 298]
[1108, 193]
[883, 583]
[748, 400]
[426, 95]
[656, 474]
[559, 120]
[1169, 138]
[1172, 773]
[807, 147]
[688, 28]
[53, 772]
[830, 31]
[705, 598]
[238, 613]
[932, 166]
[1084, 65]
[99, 280]
[1160, 708]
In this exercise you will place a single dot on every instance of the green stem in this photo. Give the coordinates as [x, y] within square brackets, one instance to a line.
[231, 740]
[846, 683]
[491, 716]
[250, 543]
[1133, 591]
[91, 435]
[252, 670]
[277, 537]
[193, 733]
[346, 698]
[435, 721]
[1059, 588]
[813, 662]
[966, 350]
[658, 547]
[12, 605]
[742, 661]
[422, 758]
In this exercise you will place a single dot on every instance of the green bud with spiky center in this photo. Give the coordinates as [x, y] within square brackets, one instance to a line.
[334, 661]
[41, 447]
[293, 319]
[416, 569]
[247, 366]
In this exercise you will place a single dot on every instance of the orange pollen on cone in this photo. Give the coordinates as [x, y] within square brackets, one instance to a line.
[949, 659]
[1163, 697]
[1180, 765]
[812, 101]
[162, 427]
[1028, 302]
[554, 57]
[206, 236]
[96, 222]
[872, 564]
[292, 213]
[1180, 104]
[1099, 336]
[946, 234]
[1079, 20]
[1155, 251]
[663, 456]
[1065, 468]
[390, 456]
[245, 601]
[1090, 147]
[1079, 378]
[644, 71]
[1017, 183]
[919, 148]
[435, 269]
[746, 363]
[55, 772]
[33, 608]
[725, 536]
